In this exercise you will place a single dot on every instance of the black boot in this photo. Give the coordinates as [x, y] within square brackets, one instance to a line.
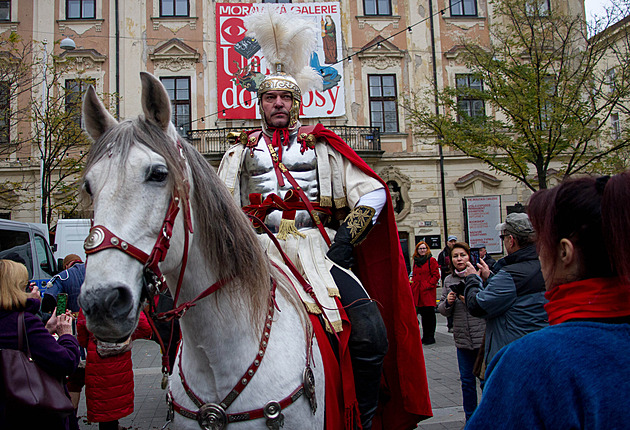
[368, 346]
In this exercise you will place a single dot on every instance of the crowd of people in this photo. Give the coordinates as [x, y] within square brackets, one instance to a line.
[543, 331]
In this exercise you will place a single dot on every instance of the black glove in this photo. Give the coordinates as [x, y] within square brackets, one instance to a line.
[351, 232]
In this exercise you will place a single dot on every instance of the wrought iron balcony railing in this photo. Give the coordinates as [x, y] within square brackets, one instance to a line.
[214, 142]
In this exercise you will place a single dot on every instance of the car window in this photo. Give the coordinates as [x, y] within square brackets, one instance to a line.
[44, 258]
[16, 246]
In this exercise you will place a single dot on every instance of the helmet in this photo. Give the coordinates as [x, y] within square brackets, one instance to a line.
[287, 41]
[280, 81]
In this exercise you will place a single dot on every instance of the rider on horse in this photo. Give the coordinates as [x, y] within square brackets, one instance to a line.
[334, 218]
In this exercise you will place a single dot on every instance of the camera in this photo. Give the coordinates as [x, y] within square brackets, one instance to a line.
[459, 288]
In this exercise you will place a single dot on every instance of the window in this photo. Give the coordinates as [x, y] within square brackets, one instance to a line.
[469, 105]
[5, 11]
[178, 90]
[174, 8]
[16, 246]
[5, 113]
[537, 8]
[377, 7]
[547, 95]
[80, 9]
[610, 80]
[383, 103]
[616, 126]
[463, 7]
[75, 88]
[44, 257]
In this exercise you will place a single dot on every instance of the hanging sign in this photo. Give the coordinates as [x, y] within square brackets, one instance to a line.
[482, 216]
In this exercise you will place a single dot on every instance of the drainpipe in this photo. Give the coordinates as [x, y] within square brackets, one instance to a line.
[117, 84]
[437, 112]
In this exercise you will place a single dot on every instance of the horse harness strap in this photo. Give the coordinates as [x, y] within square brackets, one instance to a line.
[213, 416]
[101, 238]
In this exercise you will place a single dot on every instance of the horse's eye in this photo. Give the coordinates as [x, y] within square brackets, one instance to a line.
[157, 174]
[86, 187]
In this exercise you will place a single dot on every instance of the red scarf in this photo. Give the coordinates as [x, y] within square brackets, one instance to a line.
[588, 298]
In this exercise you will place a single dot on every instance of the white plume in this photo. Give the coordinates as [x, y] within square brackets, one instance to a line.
[288, 39]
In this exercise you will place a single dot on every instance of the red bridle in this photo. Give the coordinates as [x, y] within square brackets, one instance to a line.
[101, 238]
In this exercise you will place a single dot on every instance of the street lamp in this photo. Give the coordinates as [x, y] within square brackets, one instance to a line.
[67, 44]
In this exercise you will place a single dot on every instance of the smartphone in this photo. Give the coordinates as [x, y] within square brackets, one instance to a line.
[474, 257]
[62, 303]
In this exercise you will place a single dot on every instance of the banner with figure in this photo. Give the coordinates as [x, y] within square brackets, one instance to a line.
[241, 66]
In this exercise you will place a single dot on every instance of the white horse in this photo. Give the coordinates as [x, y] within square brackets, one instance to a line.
[134, 170]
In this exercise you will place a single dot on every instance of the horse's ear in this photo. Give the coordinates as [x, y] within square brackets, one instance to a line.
[97, 119]
[155, 101]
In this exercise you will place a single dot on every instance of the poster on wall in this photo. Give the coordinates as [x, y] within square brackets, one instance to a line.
[241, 66]
[482, 216]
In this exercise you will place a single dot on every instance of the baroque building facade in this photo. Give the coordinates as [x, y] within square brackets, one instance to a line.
[382, 52]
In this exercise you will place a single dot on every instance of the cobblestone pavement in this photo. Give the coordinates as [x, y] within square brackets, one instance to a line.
[150, 406]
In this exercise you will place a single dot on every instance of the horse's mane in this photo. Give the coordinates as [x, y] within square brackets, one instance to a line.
[225, 235]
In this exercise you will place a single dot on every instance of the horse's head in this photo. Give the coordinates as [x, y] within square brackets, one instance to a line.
[131, 174]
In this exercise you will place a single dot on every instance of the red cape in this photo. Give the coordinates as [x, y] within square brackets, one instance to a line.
[383, 272]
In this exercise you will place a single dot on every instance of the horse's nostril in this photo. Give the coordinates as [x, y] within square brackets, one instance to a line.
[116, 302]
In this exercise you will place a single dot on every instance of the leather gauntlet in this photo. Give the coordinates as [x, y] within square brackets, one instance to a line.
[351, 232]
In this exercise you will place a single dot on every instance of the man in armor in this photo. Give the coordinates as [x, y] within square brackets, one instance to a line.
[301, 181]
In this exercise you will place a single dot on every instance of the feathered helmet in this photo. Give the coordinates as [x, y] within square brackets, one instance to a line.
[287, 42]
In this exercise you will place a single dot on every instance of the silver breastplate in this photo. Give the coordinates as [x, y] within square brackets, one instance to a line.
[258, 176]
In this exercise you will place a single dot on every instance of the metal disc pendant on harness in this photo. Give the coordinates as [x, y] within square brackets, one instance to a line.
[212, 417]
[309, 388]
[96, 237]
[273, 413]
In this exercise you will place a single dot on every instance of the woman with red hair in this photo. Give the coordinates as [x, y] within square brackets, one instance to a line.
[573, 373]
[424, 278]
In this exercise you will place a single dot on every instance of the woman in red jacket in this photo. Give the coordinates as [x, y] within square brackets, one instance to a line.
[424, 280]
[109, 388]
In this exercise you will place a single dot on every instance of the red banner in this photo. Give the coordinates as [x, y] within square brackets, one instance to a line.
[241, 66]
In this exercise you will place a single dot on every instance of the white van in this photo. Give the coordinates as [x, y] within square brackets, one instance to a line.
[27, 243]
[69, 237]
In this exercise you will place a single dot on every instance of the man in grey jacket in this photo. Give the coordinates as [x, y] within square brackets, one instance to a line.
[512, 301]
